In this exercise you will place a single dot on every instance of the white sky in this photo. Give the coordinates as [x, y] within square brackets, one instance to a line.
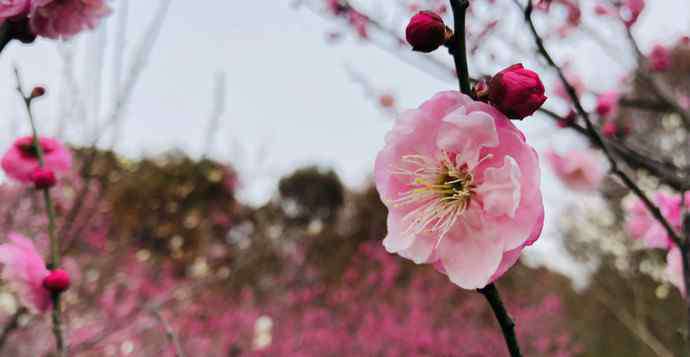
[289, 98]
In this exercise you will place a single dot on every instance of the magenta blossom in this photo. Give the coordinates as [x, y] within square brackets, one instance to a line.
[10, 9]
[659, 59]
[641, 225]
[65, 18]
[517, 91]
[462, 189]
[674, 269]
[607, 104]
[579, 169]
[24, 270]
[21, 160]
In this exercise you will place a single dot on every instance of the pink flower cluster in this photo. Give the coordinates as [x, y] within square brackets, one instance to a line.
[462, 189]
[641, 225]
[55, 18]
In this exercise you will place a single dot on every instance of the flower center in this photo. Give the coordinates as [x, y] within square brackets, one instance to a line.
[28, 149]
[440, 191]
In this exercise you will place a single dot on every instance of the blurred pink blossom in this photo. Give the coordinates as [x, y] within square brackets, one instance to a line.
[607, 104]
[579, 169]
[24, 270]
[21, 160]
[659, 59]
[462, 188]
[674, 269]
[640, 223]
[65, 18]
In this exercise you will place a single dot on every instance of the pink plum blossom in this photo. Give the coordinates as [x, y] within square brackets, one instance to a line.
[24, 270]
[674, 269]
[607, 104]
[659, 59]
[462, 189]
[641, 225]
[65, 18]
[20, 162]
[580, 170]
[13, 8]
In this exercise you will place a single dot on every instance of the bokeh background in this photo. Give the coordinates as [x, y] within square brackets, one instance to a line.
[231, 187]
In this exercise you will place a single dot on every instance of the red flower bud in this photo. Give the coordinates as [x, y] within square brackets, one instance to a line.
[426, 32]
[57, 281]
[43, 178]
[38, 91]
[516, 91]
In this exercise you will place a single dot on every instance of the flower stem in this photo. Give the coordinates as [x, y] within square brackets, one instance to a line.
[457, 46]
[491, 294]
[54, 260]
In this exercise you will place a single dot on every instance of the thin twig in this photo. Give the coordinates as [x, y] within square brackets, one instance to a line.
[50, 208]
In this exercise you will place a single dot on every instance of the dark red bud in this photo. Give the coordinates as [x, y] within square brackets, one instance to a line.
[57, 281]
[38, 91]
[517, 92]
[426, 32]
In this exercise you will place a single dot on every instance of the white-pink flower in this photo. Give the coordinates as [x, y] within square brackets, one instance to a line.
[674, 269]
[641, 225]
[24, 269]
[580, 170]
[462, 189]
[66, 18]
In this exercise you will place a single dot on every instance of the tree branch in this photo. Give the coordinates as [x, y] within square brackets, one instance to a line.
[507, 325]
[457, 44]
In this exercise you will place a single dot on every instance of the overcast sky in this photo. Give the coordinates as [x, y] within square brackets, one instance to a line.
[289, 98]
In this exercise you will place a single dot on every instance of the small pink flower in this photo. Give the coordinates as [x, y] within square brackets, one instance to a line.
[426, 31]
[641, 225]
[516, 91]
[57, 281]
[24, 270]
[21, 160]
[10, 9]
[674, 269]
[66, 18]
[462, 189]
[579, 169]
[659, 59]
[607, 104]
